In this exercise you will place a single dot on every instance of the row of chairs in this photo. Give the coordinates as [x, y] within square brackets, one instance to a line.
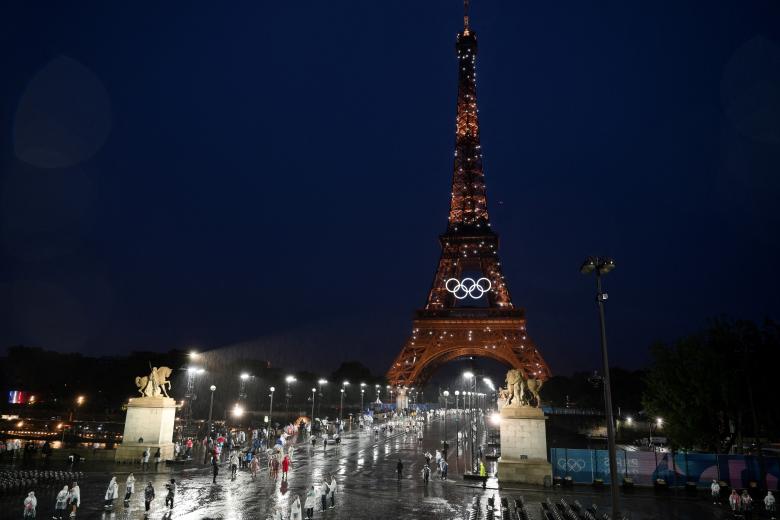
[14, 481]
[521, 512]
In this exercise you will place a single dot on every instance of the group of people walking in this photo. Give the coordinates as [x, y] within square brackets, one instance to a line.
[112, 493]
[742, 504]
[66, 504]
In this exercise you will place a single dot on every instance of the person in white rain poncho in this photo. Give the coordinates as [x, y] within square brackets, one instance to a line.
[61, 503]
[129, 488]
[769, 504]
[311, 501]
[111, 493]
[332, 488]
[295, 509]
[715, 491]
[30, 504]
[74, 499]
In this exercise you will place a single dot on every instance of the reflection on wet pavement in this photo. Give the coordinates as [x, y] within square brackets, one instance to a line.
[364, 466]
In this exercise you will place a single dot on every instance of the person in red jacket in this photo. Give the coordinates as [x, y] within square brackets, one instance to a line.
[285, 466]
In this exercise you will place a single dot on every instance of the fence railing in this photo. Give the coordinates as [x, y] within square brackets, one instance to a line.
[643, 467]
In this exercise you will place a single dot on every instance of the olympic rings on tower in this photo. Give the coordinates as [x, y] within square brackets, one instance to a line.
[462, 289]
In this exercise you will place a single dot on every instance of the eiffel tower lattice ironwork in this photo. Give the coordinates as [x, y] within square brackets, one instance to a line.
[448, 327]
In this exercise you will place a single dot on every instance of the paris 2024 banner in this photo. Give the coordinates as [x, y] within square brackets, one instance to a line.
[643, 467]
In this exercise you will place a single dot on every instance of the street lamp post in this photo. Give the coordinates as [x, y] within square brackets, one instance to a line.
[457, 419]
[313, 392]
[319, 404]
[446, 394]
[362, 391]
[341, 408]
[242, 389]
[289, 380]
[601, 266]
[271, 410]
[211, 407]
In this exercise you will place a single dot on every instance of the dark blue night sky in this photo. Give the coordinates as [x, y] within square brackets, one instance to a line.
[205, 174]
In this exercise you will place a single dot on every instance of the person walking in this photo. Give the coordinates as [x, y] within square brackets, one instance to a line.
[426, 473]
[111, 494]
[332, 488]
[735, 501]
[129, 488]
[444, 468]
[74, 499]
[285, 466]
[214, 468]
[295, 509]
[769, 504]
[233, 465]
[61, 504]
[145, 460]
[715, 491]
[30, 505]
[254, 466]
[399, 468]
[157, 459]
[428, 458]
[171, 487]
[311, 500]
[747, 505]
[324, 494]
[148, 497]
[482, 470]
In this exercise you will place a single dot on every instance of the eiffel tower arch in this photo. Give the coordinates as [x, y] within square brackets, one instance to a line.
[469, 311]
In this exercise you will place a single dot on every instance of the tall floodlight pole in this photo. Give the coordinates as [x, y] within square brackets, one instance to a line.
[601, 266]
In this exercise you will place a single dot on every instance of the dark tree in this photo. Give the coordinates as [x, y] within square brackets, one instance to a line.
[711, 388]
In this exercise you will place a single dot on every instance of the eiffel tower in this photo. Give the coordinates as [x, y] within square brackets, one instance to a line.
[469, 311]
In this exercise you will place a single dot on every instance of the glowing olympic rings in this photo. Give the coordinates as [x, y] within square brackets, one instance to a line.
[467, 287]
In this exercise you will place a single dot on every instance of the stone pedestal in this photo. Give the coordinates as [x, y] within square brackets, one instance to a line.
[523, 446]
[151, 419]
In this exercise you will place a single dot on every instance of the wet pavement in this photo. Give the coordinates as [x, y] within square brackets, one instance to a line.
[365, 468]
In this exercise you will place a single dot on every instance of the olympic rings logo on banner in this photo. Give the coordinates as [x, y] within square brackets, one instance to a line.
[462, 289]
[574, 465]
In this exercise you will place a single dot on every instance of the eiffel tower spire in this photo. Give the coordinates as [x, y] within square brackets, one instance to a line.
[468, 203]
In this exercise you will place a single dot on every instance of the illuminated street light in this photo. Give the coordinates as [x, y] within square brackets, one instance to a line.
[245, 376]
[659, 422]
[193, 354]
[495, 419]
[271, 408]
[287, 394]
[80, 400]
[238, 411]
[629, 420]
[211, 408]
[319, 385]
